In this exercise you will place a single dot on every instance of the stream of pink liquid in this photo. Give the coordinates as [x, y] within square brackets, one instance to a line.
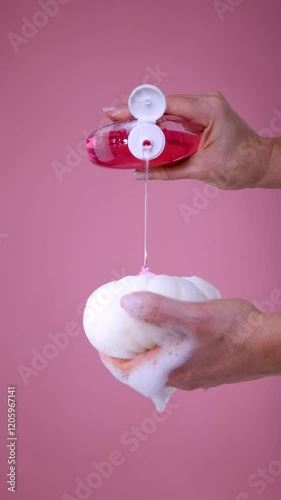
[146, 151]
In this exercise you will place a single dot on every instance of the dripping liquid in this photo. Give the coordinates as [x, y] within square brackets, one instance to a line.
[146, 155]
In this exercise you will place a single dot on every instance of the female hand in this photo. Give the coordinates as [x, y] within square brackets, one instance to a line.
[231, 155]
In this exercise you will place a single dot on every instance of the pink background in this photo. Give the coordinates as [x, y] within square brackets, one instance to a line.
[61, 240]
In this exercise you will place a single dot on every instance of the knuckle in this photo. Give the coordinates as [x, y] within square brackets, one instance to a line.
[216, 99]
[216, 94]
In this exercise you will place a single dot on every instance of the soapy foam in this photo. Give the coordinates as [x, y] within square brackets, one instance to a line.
[150, 377]
[113, 332]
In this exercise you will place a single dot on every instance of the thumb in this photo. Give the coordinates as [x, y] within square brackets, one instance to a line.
[171, 314]
[190, 168]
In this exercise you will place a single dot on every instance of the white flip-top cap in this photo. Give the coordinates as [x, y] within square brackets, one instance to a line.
[146, 103]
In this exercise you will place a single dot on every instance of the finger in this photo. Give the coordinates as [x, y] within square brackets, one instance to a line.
[178, 382]
[127, 365]
[117, 113]
[171, 314]
[190, 168]
[194, 108]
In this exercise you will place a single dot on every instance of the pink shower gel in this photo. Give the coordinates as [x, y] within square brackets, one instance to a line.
[108, 146]
[146, 271]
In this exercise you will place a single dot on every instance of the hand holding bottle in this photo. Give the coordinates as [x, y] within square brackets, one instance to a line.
[231, 155]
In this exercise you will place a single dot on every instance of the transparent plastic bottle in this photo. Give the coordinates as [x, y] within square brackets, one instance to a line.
[108, 145]
[121, 144]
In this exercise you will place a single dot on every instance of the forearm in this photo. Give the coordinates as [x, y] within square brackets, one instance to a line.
[270, 344]
[272, 177]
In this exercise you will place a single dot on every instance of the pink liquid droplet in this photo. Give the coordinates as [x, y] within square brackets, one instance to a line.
[146, 271]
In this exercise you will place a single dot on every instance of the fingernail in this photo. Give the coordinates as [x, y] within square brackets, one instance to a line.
[111, 110]
[107, 109]
[139, 176]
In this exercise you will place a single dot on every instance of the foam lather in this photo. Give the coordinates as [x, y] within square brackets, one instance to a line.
[114, 333]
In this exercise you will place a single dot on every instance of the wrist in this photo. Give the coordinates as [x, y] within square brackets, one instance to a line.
[270, 344]
[270, 163]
